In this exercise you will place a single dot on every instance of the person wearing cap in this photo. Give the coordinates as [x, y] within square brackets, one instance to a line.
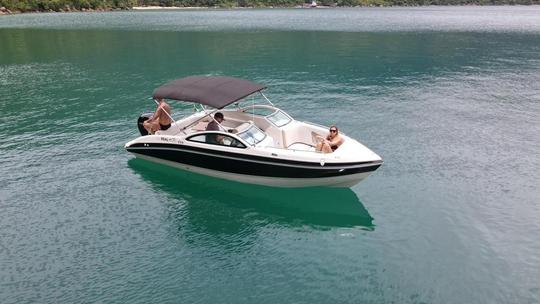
[214, 125]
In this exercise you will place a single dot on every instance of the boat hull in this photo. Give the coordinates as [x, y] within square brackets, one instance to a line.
[344, 181]
[256, 169]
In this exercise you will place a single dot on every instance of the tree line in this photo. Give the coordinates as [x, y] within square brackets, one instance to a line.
[77, 5]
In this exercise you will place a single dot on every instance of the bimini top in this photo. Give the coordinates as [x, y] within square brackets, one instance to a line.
[214, 91]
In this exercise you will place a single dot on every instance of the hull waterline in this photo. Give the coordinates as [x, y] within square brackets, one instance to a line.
[339, 181]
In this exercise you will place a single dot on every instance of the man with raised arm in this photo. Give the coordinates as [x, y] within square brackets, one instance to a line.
[161, 120]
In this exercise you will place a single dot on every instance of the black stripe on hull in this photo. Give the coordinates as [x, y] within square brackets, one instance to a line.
[249, 165]
[245, 156]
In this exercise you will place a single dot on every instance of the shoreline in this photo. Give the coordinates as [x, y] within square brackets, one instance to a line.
[149, 8]
[6, 12]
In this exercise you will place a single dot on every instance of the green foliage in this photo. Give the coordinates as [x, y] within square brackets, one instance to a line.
[59, 5]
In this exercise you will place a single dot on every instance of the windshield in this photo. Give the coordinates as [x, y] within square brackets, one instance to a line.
[279, 118]
[252, 135]
[259, 111]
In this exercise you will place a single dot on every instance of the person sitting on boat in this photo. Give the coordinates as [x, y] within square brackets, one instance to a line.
[214, 125]
[332, 141]
[161, 120]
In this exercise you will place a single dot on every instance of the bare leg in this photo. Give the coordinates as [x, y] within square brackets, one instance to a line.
[326, 148]
[151, 127]
[148, 127]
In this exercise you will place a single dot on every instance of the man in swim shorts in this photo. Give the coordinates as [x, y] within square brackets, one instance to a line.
[161, 120]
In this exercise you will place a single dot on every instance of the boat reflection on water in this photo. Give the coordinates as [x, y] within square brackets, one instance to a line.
[220, 203]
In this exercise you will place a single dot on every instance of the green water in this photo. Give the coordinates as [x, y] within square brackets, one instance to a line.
[449, 97]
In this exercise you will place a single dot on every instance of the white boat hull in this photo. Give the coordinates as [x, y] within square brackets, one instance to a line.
[344, 181]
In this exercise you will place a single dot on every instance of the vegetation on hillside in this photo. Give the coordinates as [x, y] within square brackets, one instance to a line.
[65, 5]
[69, 5]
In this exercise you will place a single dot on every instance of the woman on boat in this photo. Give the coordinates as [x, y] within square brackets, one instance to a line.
[332, 141]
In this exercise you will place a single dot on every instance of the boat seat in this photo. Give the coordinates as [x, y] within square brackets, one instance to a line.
[227, 124]
[301, 147]
[173, 130]
[241, 128]
[200, 126]
[231, 123]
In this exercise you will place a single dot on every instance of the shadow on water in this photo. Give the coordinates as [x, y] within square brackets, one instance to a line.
[212, 202]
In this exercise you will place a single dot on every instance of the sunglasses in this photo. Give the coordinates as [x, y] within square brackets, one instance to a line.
[331, 130]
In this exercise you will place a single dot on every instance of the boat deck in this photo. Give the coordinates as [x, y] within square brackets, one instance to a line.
[296, 135]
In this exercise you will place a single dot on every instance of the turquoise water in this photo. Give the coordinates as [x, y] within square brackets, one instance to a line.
[449, 97]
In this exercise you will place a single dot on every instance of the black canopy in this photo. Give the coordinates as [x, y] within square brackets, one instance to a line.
[214, 91]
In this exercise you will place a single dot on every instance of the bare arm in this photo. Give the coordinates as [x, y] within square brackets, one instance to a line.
[336, 141]
[156, 115]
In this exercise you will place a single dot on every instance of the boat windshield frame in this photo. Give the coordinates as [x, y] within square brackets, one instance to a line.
[250, 135]
[209, 111]
[269, 117]
[278, 123]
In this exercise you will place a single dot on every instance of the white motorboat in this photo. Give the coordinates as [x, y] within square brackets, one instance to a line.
[259, 143]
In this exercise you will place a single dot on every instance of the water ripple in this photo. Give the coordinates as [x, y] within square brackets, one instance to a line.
[467, 19]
